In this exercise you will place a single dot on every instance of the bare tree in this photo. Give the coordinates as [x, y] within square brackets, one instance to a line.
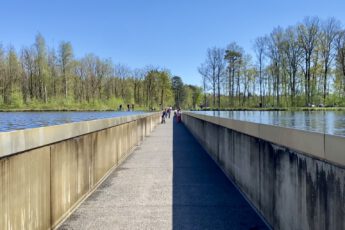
[28, 65]
[329, 30]
[203, 70]
[260, 50]
[308, 33]
[122, 72]
[293, 54]
[233, 55]
[53, 70]
[214, 66]
[340, 58]
[275, 43]
[138, 76]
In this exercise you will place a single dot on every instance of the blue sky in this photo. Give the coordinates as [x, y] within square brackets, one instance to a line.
[170, 34]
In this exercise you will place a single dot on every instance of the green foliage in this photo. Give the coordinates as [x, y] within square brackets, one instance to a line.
[42, 79]
[301, 65]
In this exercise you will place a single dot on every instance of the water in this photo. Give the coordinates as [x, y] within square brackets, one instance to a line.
[330, 122]
[23, 120]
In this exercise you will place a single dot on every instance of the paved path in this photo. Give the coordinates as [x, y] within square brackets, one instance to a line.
[169, 182]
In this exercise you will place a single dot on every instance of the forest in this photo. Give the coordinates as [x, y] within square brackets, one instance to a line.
[39, 77]
[301, 65]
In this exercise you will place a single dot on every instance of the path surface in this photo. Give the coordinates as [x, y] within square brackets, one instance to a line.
[168, 182]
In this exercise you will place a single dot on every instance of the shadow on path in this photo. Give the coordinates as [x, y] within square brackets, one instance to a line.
[203, 197]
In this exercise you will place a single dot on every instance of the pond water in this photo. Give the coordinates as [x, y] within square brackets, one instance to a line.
[330, 122]
[22, 120]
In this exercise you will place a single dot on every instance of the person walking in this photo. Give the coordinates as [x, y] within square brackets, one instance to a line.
[163, 116]
[178, 116]
[166, 113]
[169, 112]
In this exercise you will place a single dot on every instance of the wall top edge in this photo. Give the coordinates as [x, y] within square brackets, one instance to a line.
[320, 145]
[22, 140]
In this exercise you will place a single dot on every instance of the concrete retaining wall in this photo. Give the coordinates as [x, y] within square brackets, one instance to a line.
[45, 172]
[292, 189]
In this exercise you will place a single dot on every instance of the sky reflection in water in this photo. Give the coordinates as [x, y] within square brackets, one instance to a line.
[23, 120]
[330, 122]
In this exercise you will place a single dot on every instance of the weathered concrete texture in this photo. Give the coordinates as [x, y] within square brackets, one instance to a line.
[24, 194]
[40, 187]
[169, 182]
[24, 140]
[292, 190]
[319, 145]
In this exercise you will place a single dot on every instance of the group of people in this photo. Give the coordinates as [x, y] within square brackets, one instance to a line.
[129, 107]
[167, 113]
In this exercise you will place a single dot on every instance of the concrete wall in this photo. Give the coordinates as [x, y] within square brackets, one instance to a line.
[292, 189]
[40, 185]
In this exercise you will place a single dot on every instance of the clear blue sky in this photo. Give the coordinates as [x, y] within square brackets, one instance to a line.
[171, 34]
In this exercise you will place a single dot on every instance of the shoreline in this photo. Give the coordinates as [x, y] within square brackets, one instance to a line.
[320, 109]
[72, 110]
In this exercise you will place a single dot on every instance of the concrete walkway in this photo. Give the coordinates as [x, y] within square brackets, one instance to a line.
[169, 182]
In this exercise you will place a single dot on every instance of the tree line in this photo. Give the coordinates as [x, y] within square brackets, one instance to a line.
[47, 77]
[301, 65]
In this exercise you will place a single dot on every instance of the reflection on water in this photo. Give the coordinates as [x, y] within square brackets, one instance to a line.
[23, 120]
[330, 122]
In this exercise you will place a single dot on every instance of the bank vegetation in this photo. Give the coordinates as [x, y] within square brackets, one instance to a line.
[39, 77]
[300, 65]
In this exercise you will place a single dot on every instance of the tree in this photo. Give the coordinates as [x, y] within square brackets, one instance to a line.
[340, 58]
[2, 72]
[328, 34]
[66, 56]
[196, 95]
[233, 54]
[28, 66]
[122, 72]
[53, 70]
[203, 70]
[41, 68]
[260, 49]
[293, 54]
[248, 74]
[13, 72]
[138, 76]
[164, 85]
[215, 69]
[308, 33]
[177, 87]
[275, 42]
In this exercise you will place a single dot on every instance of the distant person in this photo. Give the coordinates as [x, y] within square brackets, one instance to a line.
[163, 116]
[166, 113]
[169, 111]
[178, 116]
[120, 108]
[128, 107]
